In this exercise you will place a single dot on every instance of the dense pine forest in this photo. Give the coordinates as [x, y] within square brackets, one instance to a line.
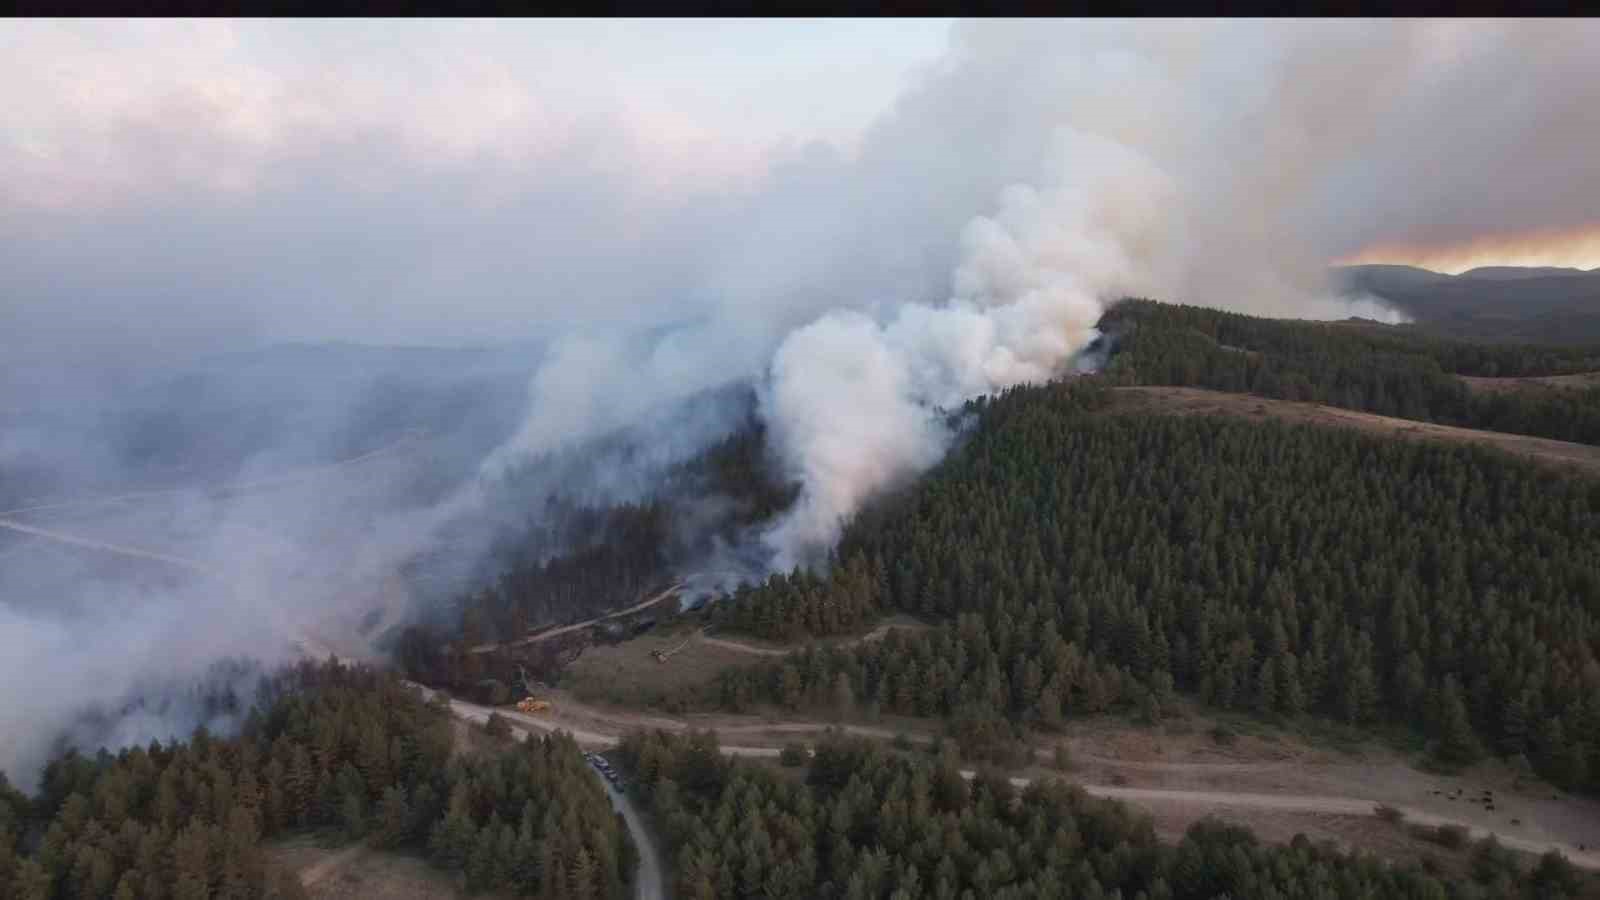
[347, 752]
[1358, 367]
[1080, 561]
[866, 823]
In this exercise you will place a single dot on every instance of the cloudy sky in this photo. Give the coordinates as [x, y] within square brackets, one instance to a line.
[194, 184]
[324, 178]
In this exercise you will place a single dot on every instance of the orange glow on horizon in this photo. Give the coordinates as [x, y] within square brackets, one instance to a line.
[1577, 248]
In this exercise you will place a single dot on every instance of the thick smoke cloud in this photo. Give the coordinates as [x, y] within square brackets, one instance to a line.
[169, 200]
[856, 406]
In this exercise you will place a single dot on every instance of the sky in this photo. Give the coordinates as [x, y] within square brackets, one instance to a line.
[264, 179]
[191, 184]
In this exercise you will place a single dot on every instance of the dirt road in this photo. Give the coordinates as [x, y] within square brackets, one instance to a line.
[225, 489]
[567, 629]
[1194, 800]
[1199, 401]
[873, 635]
[1344, 806]
[91, 543]
[649, 884]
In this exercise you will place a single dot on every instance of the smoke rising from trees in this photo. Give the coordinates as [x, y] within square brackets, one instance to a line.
[970, 239]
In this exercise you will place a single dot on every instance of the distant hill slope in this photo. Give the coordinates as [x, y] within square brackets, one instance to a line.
[1512, 273]
[1549, 305]
[254, 413]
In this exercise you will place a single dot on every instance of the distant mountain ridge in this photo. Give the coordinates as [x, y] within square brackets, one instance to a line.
[1515, 272]
[1542, 304]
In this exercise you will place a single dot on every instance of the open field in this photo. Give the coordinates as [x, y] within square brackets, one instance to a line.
[1579, 381]
[627, 673]
[1183, 401]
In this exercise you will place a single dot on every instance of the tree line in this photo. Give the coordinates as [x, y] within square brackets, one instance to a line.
[347, 752]
[865, 822]
[1078, 560]
[1393, 374]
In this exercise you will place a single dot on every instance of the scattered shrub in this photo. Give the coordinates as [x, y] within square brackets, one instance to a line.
[1063, 759]
[497, 726]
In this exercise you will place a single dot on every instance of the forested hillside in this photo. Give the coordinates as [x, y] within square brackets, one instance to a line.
[345, 751]
[575, 560]
[866, 823]
[1080, 561]
[1404, 375]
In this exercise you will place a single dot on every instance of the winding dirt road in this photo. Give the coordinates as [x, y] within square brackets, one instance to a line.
[649, 884]
[577, 626]
[1145, 797]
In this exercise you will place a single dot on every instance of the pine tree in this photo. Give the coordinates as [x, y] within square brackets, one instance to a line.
[394, 816]
[1456, 742]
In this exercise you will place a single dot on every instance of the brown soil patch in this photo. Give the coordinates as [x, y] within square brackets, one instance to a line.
[358, 872]
[1363, 833]
[1578, 382]
[1182, 401]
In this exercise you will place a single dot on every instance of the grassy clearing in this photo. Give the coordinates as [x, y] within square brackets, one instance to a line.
[626, 674]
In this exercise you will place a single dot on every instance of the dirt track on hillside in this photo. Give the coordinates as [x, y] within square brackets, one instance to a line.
[1580, 381]
[1316, 784]
[1197, 401]
[756, 650]
[577, 626]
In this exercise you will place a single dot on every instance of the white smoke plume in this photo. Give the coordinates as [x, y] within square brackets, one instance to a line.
[1041, 170]
[854, 404]
[967, 241]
